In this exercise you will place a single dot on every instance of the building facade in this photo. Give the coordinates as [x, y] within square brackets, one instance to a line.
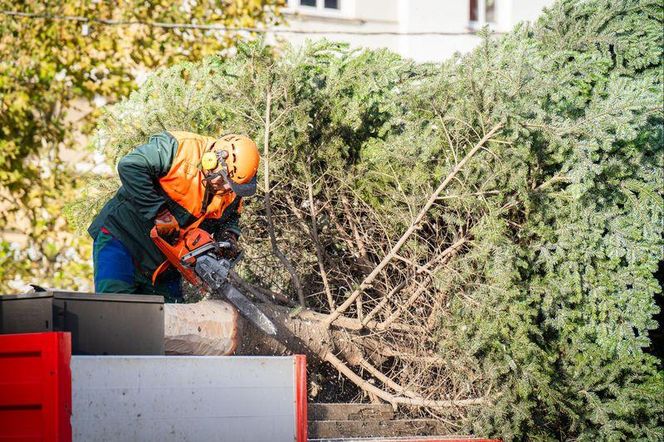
[424, 30]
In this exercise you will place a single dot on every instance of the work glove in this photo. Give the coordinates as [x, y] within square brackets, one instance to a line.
[231, 237]
[166, 223]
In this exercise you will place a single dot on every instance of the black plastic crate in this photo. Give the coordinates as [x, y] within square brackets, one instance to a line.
[111, 324]
[26, 313]
[100, 324]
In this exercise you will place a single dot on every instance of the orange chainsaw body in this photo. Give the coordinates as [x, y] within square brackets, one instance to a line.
[191, 252]
[186, 242]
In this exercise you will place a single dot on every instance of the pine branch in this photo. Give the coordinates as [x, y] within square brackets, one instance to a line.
[413, 227]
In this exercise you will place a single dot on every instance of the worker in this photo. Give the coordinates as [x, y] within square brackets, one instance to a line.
[173, 181]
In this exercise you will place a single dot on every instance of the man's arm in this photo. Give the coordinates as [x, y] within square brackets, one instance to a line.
[140, 169]
[229, 221]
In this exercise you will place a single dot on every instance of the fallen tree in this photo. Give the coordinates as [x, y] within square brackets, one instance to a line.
[480, 232]
[212, 327]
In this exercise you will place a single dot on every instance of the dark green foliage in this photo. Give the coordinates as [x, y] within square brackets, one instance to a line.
[564, 326]
[548, 306]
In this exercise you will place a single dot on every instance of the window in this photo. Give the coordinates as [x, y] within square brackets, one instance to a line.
[321, 8]
[482, 12]
[474, 12]
[327, 4]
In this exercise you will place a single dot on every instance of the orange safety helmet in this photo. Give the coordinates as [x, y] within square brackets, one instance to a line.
[236, 158]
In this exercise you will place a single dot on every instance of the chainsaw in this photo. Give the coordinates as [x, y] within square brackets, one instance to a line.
[202, 261]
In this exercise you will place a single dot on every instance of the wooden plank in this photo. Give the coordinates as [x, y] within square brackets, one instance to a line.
[350, 412]
[359, 428]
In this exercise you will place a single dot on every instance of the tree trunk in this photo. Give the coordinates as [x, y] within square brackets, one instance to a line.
[213, 327]
[202, 329]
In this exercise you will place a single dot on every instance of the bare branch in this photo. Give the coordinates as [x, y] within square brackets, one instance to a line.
[268, 204]
[317, 244]
[382, 302]
[395, 400]
[368, 281]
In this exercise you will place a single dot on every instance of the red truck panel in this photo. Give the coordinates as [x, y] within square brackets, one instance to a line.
[35, 387]
[301, 398]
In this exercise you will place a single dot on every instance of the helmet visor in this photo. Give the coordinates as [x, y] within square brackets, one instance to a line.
[247, 189]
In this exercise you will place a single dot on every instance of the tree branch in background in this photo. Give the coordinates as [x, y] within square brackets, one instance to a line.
[268, 203]
[413, 227]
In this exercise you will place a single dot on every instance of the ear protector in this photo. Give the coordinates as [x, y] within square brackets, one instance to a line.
[211, 160]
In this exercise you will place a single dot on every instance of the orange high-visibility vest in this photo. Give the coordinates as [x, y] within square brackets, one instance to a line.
[184, 182]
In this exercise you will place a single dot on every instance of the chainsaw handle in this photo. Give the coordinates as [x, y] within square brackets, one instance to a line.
[184, 253]
[170, 251]
[171, 240]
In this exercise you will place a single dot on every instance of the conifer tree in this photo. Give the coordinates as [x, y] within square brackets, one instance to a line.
[479, 232]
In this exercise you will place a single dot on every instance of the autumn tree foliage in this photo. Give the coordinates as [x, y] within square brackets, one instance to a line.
[476, 239]
[56, 59]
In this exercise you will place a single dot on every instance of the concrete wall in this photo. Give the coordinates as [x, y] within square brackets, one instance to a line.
[374, 10]
[353, 16]
[527, 10]
[436, 16]
[405, 16]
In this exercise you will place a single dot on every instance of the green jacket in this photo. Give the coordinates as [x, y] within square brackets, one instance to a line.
[130, 214]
